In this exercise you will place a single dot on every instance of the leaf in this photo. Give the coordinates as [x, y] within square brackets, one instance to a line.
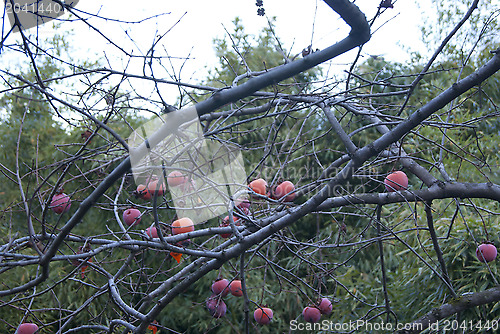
[176, 256]
[84, 268]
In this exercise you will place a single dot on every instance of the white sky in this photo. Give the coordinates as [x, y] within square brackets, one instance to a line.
[298, 22]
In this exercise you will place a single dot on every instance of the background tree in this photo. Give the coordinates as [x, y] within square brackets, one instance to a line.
[395, 257]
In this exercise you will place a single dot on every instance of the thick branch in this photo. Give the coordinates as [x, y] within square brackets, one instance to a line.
[438, 191]
[464, 302]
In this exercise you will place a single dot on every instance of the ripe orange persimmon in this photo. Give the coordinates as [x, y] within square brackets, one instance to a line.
[285, 188]
[259, 186]
[156, 186]
[176, 178]
[142, 192]
[183, 225]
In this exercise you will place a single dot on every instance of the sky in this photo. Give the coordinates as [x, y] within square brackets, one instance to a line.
[189, 27]
[192, 24]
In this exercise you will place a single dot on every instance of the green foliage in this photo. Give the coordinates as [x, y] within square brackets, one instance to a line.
[332, 254]
[479, 32]
[241, 57]
[242, 54]
[38, 141]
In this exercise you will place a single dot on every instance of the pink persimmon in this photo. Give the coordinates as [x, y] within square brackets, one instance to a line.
[176, 178]
[325, 306]
[311, 314]
[263, 315]
[60, 203]
[221, 287]
[132, 216]
[151, 232]
[27, 328]
[396, 181]
[486, 252]
[216, 306]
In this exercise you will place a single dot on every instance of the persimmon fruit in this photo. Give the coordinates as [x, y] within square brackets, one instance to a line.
[216, 306]
[263, 315]
[221, 287]
[225, 223]
[285, 188]
[311, 314]
[132, 216]
[156, 187]
[182, 225]
[60, 203]
[152, 232]
[259, 186]
[486, 252]
[27, 328]
[396, 181]
[325, 306]
[176, 178]
[235, 288]
[142, 192]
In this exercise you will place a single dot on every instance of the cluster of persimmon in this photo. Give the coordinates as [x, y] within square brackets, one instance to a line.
[285, 191]
[153, 187]
[220, 289]
[218, 308]
[61, 203]
[244, 206]
[179, 226]
[313, 313]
